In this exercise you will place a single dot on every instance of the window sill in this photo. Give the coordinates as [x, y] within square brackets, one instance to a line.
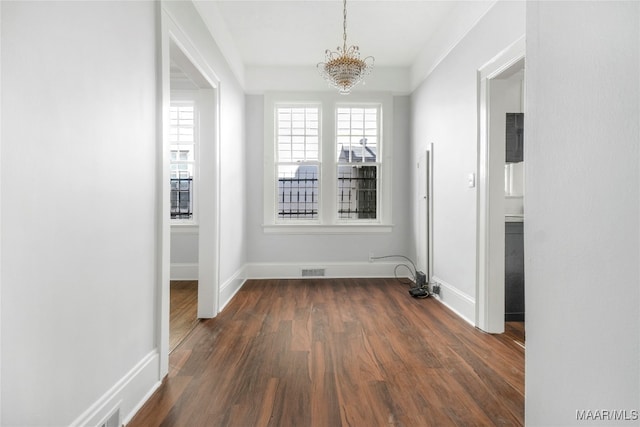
[326, 229]
[184, 228]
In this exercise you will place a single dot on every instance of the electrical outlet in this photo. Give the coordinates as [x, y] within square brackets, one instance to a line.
[435, 288]
[370, 256]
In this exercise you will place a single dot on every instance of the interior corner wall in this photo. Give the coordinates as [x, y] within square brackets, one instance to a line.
[582, 227]
[301, 249]
[78, 206]
[444, 111]
[232, 175]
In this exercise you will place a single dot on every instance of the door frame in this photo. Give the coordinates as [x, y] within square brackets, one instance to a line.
[490, 239]
[209, 221]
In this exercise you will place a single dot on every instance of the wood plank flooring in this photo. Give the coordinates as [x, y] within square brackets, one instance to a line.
[338, 352]
[183, 310]
[515, 331]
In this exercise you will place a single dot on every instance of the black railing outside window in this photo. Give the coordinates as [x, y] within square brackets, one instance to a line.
[357, 192]
[181, 198]
[298, 196]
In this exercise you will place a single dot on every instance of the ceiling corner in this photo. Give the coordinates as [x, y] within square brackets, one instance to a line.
[210, 14]
[452, 30]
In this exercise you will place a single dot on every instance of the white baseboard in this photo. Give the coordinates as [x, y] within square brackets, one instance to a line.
[331, 270]
[127, 395]
[230, 287]
[288, 271]
[294, 270]
[183, 271]
[457, 301]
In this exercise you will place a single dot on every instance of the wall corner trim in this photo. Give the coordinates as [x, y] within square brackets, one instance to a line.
[128, 394]
[231, 286]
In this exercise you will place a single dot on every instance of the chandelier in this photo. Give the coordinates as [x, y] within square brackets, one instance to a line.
[343, 68]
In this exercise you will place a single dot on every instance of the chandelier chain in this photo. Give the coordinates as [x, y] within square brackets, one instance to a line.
[344, 26]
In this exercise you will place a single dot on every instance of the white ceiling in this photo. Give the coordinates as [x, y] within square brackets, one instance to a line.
[297, 32]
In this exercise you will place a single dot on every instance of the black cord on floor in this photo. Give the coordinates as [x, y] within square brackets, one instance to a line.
[395, 270]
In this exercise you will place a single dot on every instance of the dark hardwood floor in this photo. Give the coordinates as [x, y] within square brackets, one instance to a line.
[183, 310]
[338, 352]
[515, 331]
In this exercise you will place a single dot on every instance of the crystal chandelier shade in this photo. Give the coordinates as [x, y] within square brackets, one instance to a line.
[343, 68]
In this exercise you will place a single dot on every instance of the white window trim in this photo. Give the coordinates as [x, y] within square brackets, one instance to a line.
[328, 222]
[317, 162]
[189, 97]
[379, 154]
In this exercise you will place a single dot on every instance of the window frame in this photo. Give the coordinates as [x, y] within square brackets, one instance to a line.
[189, 98]
[318, 162]
[378, 163]
[328, 221]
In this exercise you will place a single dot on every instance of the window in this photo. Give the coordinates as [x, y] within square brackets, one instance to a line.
[298, 141]
[325, 168]
[182, 160]
[357, 143]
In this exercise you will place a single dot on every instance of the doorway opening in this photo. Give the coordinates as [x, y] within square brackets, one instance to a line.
[183, 306]
[188, 174]
[500, 193]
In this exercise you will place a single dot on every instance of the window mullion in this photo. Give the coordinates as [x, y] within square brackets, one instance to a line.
[328, 195]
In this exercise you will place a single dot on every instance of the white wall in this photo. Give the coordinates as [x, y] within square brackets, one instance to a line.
[259, 79]
[582, 225]
[184, 246]
[78, 199]
[449, 33]
[444, 111]
[232, 143]
[329, 248]
[184, 253]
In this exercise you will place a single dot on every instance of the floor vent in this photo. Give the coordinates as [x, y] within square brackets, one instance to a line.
[312, 272]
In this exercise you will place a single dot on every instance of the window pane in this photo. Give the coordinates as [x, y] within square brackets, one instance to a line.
[181, 197]
[182, 137]
[182, 154]
[297, 134]
[357, 134]
[185, 134]
[298, 192]
[357, 192]
[182, 123]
